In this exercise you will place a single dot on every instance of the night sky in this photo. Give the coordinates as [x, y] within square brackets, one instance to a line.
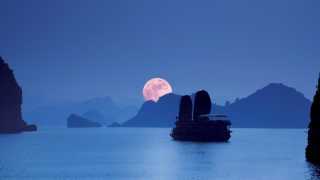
[73, 50]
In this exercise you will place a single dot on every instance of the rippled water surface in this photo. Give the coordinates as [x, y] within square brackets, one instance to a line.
[142, 153]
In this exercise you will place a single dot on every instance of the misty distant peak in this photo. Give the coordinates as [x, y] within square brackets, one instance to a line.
[163, 99]
[279, 90]
[168, 97]
[101, 103]
[278, 86]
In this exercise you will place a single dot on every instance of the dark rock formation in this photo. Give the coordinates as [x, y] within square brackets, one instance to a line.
[185, 110]
[156, 114]
[115, 124]
[76, 121]
[274, 106]
[313, 147]
[10, 102]
[202, 104]
[31, 127]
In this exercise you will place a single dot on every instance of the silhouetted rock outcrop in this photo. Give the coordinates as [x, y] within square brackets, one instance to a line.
[274, 106]
[156, 114]
[115, 124]
[10, 103]
[76, 121]
[313, 147]
[29, 128]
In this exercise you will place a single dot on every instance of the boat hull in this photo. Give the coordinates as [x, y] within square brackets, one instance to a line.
[209, 131]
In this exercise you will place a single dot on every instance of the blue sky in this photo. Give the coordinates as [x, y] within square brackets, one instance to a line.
[71, 50]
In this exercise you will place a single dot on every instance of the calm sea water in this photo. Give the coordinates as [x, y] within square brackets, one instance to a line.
[142, 153]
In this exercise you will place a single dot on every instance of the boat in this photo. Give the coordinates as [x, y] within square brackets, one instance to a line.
[201, 126]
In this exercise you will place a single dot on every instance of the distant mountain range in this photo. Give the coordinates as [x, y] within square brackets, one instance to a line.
[103, 110]
[274, 106]
[156, 114]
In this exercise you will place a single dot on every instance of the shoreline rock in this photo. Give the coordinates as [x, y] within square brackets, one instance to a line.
[313, 147]
[76, 121]
[115, 124]
[11, 120]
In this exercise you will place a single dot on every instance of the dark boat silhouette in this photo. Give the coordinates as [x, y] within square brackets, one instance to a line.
[201, 126]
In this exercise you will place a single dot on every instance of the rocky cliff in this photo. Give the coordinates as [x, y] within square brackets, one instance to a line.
[10, 102]
[313, 148]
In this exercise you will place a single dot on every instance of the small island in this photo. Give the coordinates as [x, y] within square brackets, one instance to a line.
[203, 126]
[115, 124]
[76, 121]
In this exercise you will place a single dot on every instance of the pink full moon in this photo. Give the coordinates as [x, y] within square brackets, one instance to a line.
[155, 88]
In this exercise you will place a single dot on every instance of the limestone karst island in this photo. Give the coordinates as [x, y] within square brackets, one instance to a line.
[11, 120]
[313, 147]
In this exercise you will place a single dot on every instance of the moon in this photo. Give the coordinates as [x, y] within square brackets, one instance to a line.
[156, 88]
